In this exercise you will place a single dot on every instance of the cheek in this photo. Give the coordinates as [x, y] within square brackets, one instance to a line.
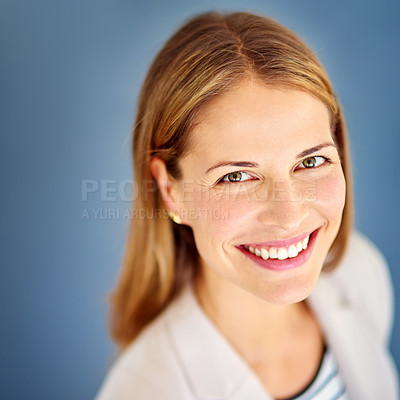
[330, 195]
[218, 215]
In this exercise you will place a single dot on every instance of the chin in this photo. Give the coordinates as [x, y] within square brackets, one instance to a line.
[290, 292]
[292, 296]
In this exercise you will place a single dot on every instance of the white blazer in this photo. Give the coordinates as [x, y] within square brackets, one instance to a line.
[182, 356]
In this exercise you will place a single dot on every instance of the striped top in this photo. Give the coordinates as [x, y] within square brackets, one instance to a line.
[327, 383]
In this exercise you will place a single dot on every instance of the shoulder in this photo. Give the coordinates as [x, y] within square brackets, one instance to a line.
[147, 369]
[364, 279]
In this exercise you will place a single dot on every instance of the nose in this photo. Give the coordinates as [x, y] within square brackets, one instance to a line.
[286, 208]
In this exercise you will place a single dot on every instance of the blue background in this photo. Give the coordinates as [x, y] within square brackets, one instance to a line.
[70, 72]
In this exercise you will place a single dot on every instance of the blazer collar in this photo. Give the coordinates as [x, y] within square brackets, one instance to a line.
[212, 368]
[350, 339]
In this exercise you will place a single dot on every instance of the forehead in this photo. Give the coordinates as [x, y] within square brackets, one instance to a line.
[253, 118]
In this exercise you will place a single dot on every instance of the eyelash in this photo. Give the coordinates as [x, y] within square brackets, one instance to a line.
[326, 160]
[222, 181]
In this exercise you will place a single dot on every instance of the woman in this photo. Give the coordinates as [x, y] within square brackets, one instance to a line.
[256, 287]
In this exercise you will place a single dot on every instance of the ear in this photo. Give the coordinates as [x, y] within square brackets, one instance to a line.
[167, 184]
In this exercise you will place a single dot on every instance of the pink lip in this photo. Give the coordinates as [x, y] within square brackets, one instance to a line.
[282, 265]
[280, 243]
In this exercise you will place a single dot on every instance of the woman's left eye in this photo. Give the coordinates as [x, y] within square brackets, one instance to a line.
[238, 176]
[313, 162]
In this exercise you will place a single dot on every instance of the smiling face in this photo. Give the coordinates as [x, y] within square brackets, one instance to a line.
[263, 191]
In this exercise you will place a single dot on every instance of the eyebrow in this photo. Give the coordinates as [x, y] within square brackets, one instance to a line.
[316, 148]
[249, 164]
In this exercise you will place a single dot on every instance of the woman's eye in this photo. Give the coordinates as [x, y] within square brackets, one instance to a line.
[238, 176]
[312, 162]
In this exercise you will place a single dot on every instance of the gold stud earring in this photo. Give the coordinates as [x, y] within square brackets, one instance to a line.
[175, 217]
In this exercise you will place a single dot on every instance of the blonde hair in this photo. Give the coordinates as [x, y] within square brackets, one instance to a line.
[204, 58]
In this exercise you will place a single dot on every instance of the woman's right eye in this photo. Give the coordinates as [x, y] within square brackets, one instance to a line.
[232, 177]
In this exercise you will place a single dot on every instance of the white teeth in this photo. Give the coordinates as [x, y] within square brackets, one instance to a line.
[264, 254]
[282, 253]
[273, 253]
[292, 251]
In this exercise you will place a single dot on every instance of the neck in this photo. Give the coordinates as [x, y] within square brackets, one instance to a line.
[253, 326]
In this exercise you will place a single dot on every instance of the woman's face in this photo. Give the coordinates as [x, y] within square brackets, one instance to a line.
[263, 191]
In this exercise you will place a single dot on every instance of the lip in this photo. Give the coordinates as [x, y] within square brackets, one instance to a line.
[289, 263]
[280, 243]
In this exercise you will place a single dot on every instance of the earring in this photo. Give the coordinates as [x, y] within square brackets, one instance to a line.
[175, 217]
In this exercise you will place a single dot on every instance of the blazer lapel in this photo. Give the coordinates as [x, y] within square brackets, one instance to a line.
[356, 352]
[212, 368]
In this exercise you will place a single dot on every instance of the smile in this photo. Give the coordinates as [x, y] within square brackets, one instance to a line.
[281, 255]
